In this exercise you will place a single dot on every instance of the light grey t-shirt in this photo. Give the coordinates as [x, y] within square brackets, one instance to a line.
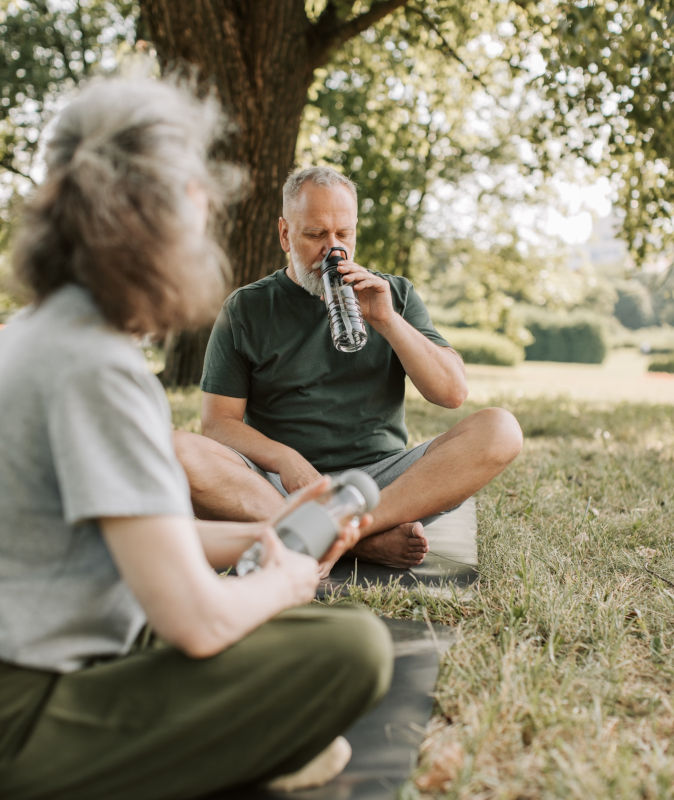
[84, 433]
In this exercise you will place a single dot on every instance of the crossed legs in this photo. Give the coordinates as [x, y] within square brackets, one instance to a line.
[455, 465]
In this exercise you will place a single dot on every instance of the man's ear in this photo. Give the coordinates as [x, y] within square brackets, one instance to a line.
[283, 234]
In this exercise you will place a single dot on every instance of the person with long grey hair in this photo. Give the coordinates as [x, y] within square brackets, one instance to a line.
[129, 668]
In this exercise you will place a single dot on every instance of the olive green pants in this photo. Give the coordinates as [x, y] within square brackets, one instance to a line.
[156, 724]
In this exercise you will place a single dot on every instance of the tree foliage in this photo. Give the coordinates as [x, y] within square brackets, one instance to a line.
[431, 119]
[412, 99]
[399, 116]
[633, 308]
[44, 49]
[590, 80]
[609, 75]
[603, 85]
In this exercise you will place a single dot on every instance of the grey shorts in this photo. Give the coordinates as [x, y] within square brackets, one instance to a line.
[383, 472]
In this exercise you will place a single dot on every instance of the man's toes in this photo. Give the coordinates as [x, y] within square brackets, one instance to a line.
[417, 532]
[418, 544]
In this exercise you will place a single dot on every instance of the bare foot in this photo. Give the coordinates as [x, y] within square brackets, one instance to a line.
[403, 546]
[321, 769]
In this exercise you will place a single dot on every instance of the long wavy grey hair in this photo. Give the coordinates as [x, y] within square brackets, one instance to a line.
[113, 213]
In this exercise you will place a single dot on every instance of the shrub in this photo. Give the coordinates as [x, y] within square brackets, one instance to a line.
[662, 364]
[576, 337]
[633, 307]
[483, 347]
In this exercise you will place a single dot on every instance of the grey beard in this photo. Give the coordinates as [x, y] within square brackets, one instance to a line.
[310, 280]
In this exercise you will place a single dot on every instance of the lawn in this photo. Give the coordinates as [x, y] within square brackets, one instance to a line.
[559, 682]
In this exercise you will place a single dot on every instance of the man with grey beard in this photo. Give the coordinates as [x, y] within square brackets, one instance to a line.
[281, 405]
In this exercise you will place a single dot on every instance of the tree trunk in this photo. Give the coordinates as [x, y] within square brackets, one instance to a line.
[252, 53]
[259, 55]
[186, 350]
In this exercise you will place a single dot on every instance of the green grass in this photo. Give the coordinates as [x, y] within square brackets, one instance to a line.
[559, 681]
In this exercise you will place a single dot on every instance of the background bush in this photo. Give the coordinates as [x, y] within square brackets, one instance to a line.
[634, 308]
[483, 347]
[665, 364]
[576, 337]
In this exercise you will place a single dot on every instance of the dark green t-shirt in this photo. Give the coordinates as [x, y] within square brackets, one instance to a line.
[271, 344]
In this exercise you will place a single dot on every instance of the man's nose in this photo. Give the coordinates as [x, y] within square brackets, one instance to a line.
[333, 241]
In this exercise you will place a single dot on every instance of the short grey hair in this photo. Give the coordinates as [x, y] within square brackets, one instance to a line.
[321, 176]
[113, 213]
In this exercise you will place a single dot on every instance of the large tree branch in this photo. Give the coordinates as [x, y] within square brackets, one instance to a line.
[451, 52]
[6, 163]
[328, 32]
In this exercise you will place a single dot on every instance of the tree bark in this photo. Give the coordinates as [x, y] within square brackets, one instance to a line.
[259, 55]
[187, 350]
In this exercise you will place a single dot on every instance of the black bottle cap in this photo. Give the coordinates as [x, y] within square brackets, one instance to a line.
[332, 258]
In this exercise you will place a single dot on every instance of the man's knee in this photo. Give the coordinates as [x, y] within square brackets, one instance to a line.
[190, 449]
[202, 459]
[184, 443]
[503, 435]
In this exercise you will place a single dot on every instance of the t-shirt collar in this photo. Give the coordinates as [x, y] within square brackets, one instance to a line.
[295, 289]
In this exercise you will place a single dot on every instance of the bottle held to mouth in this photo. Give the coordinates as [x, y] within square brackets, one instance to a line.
[344, 315]
[313, 527]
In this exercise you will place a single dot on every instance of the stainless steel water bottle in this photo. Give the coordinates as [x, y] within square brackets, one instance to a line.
[313, 527]
[344, 315]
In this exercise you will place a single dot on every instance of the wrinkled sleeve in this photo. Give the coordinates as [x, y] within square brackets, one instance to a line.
[111, 441]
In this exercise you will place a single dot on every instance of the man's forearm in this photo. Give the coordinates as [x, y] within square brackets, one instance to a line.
[437, 372]
[263, 451]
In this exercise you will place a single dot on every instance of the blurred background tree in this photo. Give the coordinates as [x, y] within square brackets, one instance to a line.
[46, 49]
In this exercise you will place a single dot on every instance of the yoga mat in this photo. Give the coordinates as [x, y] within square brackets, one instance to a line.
[452, 557]
[386, 740]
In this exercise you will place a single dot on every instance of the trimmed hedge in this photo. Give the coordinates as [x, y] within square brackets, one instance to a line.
[576, 337]
[483, 347]
[662, 365]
